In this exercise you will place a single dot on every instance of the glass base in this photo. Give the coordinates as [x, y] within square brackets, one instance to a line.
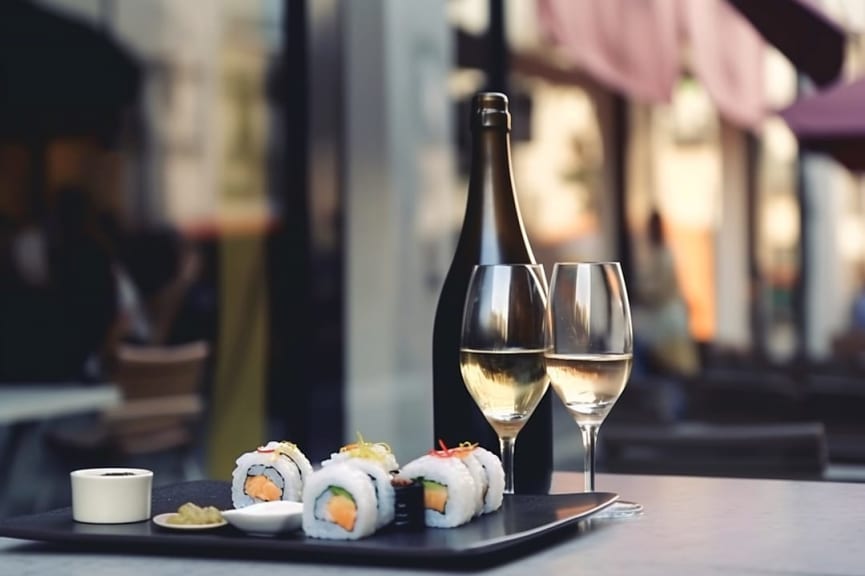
[620, 509]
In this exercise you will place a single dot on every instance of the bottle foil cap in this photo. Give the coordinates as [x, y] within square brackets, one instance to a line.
[490, 110]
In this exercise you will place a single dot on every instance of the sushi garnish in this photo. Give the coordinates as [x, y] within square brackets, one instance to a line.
[278, 449]
[461, 451]
[282, 449]
[379, 451]
[286, 448]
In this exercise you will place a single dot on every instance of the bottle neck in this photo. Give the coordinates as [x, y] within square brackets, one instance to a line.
[492, 210]
[491, 180]
[491, 151]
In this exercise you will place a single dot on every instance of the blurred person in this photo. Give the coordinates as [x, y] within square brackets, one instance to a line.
[27, 309]
[662, 336]
[83, 282]
[58, 294]
[76, 286]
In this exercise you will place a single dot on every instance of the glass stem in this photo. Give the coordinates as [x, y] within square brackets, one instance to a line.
[507, 448]
[590, 440]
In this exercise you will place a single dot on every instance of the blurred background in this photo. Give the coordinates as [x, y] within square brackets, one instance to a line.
[227, 221]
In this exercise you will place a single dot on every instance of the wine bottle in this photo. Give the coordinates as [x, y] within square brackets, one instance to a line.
[492, 233]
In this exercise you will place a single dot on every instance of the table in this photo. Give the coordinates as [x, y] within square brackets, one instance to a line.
[24, 406]
[695, 526]
[23, 403]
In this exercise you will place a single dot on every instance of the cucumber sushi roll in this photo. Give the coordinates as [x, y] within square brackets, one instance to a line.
[339, 503]
[381, 479]
[495, 475]
[276, 471]
[450, 492]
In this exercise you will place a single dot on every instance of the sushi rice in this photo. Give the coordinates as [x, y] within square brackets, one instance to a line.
[495, 475]
[479, 475]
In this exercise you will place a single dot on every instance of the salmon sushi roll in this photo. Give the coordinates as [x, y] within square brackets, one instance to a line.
[381, 479]
[450, 493]
[339, 503]
[276, 471]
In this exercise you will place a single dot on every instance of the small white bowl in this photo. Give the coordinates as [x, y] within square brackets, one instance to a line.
[266, 518]
[111, 495]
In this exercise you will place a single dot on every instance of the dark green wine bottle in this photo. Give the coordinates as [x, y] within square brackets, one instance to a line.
[492, 233]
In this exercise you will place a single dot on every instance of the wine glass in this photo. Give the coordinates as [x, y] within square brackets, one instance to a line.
[502, 349]
[590, 350]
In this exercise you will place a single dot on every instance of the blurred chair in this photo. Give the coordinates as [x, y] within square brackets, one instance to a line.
[839, 402]
[774, 450]
[744, 396]
[158, 418]
[848, 350]
[652, 399]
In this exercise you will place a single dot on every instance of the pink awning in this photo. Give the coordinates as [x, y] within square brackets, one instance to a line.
[727, 57]
[630, 46]
[636, 47]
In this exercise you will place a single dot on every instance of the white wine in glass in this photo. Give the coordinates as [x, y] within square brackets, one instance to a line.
[589, 384]
[507, 385]
[502, 349]
[590, 351]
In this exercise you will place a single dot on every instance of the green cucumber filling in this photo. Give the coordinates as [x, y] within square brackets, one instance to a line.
[338, 491]
[433, 485]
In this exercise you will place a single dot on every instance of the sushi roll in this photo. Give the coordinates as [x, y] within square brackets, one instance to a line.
[450, 492]
[377, 451]
[339, 503]
[408, 504]
[495, 475]
[478, 474]
[381, 480]
[276, 471]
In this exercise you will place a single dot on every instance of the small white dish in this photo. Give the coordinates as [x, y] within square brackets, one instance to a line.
[111, 495]
[266, 518]
[162, 520]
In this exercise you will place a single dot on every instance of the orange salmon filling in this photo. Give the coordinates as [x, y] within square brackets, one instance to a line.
[262, 488]
[342, 511]
[435, 496]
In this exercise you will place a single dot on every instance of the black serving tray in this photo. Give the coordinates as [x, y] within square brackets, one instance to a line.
[523, 524]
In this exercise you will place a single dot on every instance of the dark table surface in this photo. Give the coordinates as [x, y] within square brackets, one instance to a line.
[691, 526]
